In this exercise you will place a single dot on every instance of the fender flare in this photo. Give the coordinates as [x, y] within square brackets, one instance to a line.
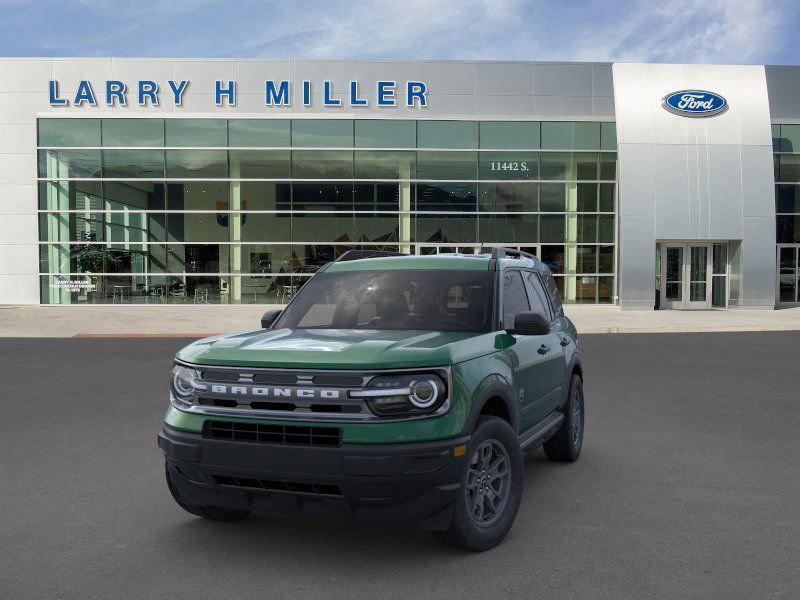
[494, 387]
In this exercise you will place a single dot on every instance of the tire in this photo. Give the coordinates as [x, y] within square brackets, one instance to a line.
[566, 444]
[207, 512]
[468, 530]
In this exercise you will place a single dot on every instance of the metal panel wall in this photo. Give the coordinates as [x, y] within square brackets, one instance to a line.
[695, 178]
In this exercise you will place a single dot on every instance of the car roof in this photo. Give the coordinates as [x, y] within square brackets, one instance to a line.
[444, 262]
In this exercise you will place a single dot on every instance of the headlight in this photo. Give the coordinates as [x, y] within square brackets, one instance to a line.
[401, 395]
[183, 381]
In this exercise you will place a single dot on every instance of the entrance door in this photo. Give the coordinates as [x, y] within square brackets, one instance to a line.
[686, 276]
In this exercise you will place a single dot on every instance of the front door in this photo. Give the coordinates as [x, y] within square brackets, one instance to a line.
[686, 276]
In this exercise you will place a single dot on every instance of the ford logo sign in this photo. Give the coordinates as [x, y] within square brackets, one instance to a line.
[695, 103]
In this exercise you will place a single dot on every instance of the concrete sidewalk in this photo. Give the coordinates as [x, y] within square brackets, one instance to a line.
[199, 321]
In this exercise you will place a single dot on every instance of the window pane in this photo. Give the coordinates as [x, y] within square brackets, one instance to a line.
[788, 288]
[446, 228]
[790, 138]
[776, 138]
[509, 228]
[553, 257]
[608, 136]
[198, 195]
[322, 133]
[197, 258]
[586, 259]
[133, 163]
[316, 164]
[258, 133]
[260, 164]
[509, 165]
[324, 227]
[385, 133]
[133, 195]
[720, 262]
[263, 195]
[605, 290]
[587, 197]
[61, 164]
[315, 196]
[265, 227]
[385, 165]
[196, 132]
[606, 197]
[586, 289]
[198, 227]
[461, 197]
[605, 259]
[382, 196]
[787, 198]
[133, 132]
[558, 135]
[556, 165]
[447, 134]
[508, 197]
[552, 228]
[587, 229]
[72, 227]
[587, 136]
[788, 261]
[446, 165]
[70, 195]
[71, 258]
[789, 170]
[553, 197]
[69, 132]
[787, 230]
[515, 298]
[377, 227]
[197, 163]
[585, 166]
[608, 166]
[605, 229]
[504, 134]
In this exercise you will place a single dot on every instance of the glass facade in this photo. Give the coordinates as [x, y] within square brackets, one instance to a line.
[245, 210]
[786, 149]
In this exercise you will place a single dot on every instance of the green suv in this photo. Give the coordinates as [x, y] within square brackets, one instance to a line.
[392, 387]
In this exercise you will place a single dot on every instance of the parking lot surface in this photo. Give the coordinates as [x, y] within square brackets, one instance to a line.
[688, 487]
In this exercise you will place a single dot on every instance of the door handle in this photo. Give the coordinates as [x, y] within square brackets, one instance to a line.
[543, 349]
[564, 341]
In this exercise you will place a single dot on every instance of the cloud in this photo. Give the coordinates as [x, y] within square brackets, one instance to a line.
[692, 31]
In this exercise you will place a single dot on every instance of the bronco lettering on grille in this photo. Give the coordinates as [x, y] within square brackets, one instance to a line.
[274, 392]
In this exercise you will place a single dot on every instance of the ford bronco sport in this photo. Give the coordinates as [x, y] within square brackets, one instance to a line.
[392, 387]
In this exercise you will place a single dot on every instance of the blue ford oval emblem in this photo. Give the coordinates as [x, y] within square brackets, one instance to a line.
[695, 103]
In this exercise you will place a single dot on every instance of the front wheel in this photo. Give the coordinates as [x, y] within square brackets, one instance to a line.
[491, 488]
[565, 445]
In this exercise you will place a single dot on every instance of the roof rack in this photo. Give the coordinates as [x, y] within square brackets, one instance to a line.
[500, 252]
[359, 254]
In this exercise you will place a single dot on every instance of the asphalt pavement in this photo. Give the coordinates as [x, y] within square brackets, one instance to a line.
[688, 487]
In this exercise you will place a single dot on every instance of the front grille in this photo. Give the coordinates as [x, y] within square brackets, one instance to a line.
[286, 487]
[272, 434]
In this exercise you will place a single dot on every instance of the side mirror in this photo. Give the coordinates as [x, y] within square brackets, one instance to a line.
[531, 323]
[269, 317]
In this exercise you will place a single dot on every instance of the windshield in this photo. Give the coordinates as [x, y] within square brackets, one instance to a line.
[397, 300]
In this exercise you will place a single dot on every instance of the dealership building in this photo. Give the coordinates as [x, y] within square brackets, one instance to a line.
[149, 181]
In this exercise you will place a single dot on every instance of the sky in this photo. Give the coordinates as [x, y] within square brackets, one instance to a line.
[687, 31]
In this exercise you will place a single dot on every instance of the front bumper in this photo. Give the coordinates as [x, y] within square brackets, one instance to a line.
[402, 483]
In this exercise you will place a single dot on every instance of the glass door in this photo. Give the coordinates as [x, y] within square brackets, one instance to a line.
[788, 274]
[685, 276]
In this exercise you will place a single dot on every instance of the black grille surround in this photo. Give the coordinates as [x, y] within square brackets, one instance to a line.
[264, 433]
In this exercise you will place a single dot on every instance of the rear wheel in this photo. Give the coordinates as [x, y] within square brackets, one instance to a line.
[207, 512]
[491, 488]
[565, 445]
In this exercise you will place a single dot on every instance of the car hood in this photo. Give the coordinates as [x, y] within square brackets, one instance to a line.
[339, 349]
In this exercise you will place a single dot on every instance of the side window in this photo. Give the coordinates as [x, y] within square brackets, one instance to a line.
[539, 302]
[552, 291]
[515, 299]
